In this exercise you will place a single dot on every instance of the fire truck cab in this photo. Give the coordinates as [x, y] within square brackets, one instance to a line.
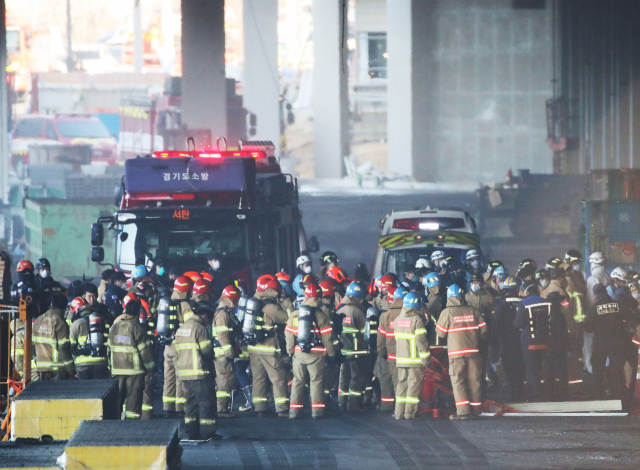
[181, 206]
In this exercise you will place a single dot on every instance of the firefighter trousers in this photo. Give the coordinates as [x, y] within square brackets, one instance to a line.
[371, 387]
[387, 388]
[330, 379]
[130, 389]
[225, 380]
[410, 383]
[172, 393]
[200, 415]
[307, 366]
[352, 379]
[465, 373]
[616, 354]
[95, 372]
[147, 395]
[267, 369]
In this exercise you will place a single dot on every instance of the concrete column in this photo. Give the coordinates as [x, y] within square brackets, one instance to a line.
[204, 98]
[330, 94]
[261, 83]
[409, 47]
[4, 107]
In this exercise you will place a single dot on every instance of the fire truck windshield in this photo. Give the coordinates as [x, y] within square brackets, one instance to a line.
[183, 244]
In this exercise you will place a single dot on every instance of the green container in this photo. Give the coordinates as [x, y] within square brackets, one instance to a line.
[60, 230]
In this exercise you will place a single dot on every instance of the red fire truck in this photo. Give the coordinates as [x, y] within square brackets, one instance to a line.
[179, 206]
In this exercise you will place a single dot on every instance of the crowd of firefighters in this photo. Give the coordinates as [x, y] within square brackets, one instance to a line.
[543, 331]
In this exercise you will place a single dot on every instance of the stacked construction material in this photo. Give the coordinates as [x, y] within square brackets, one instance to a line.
[56, 408]
[130, 444]
[28, 454]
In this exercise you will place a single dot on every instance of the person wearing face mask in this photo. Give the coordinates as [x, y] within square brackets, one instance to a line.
[221, 277]
[114, 295]
[437, 257]
[479, 298]
[474, 263]
[597, 268]
[160, 277]
[492, 277]
[45, 285]
[304, 264]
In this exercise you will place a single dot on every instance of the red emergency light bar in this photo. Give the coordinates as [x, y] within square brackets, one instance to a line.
[257, 154]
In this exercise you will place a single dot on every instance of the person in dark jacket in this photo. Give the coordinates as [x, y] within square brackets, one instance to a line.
[115, 293]
[544, 344]
[46, 286]
[608, 320]
[505, 340]
[222, 277]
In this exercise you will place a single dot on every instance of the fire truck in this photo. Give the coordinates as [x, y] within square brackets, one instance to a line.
[180, 206]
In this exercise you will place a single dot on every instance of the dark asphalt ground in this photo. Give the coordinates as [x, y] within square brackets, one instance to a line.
[349, 225]
[376, 441]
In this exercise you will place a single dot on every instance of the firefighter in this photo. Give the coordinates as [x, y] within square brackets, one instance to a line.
[131, 358]
[463, 327]
[385, 283]
[328, 259]
[505, 342]
[18, 332]
[45, 284]
[308, 335]
[25, 288]
[474, 263]
[52, 350]
[105, 280]
[86, 336]
[267, 364]
[544, 344]
[481, 299]
[114, 294]
[173, 398]
[332, 368]
[607, 320]
[197, 374]
[434, 304]
[386, 366]
[412, 356]
[222, 277]
[225, 328]
[352, 373]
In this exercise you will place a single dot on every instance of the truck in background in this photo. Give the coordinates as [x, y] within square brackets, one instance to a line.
[180, 206]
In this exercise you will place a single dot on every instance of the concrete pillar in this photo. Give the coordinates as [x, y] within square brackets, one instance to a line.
[330, 94]
[204, 98]
[409, 48]
[4, 108]
[261, 87]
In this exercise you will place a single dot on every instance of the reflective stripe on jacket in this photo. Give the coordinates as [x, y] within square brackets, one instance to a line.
[52, 350]
[195, 349]
[463, 325]
[412, 346]
[324, 331]
[353, 326]
[128, 348]
[272, 314]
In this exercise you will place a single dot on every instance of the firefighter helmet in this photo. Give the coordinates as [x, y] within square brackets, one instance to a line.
[355, 290]
[472, 254]
[328, 290]
[43, 263]
[597, 258]
[194, 276]
[76, 304]
[553, 263]
[201, 287]
[400, 293]
[24, 265]
[337, 274]
[453, 291]
[183, 284]
[541, 273]
[302, 260]
[138, 272]
[232, 293]
[510, 283]
[423, 263]
[499, 272]
[391, 293]
[286, 286]
[264, 279]
[128, 298]
[619, 274]
[206, 277]
[412, 300]
[528, 263]
[431, 280]
[312, 291]
[493, 265]
[572, 256]
[273, 284]
[282, 275]
[145, 286]
[436, 255]
[329, 257]
[387, 281]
